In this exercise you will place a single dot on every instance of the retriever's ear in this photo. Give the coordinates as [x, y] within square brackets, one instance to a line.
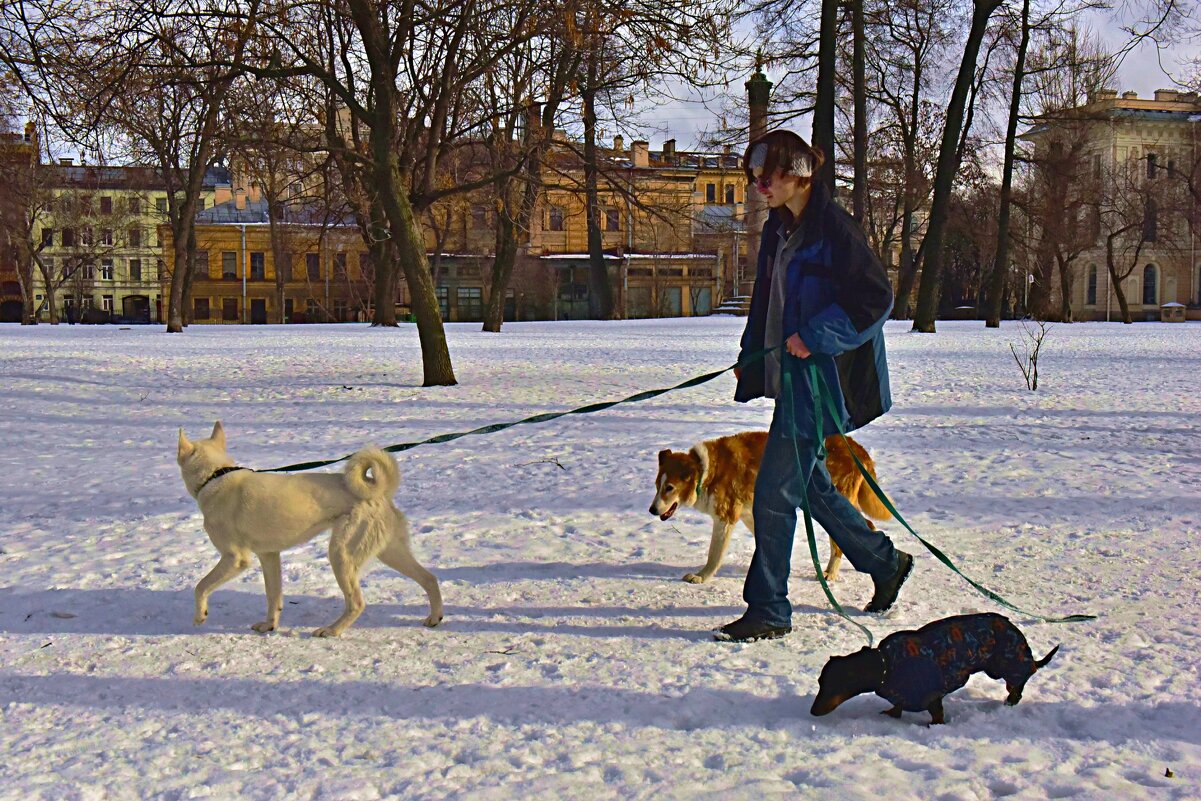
[185, 447]
[218, 435]
[663, 454]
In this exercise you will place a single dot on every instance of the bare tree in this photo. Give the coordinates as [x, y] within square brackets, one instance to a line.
[948, 165]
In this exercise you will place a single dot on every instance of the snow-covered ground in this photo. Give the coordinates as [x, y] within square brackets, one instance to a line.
[573, 662]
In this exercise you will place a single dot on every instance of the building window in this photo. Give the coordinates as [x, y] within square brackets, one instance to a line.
[106, 237]
[87, 237]
[1151, 220]
[135, 205]
[68, 237]
[135, 237]
[89, 271]
[200, 264]
[1150, 295]
[1151, 165]
[612, 220]
[556, 219]
[339, 266]
[200, 308]
[106, 301]
[1092, 285]
[444, 302]
[106, 269]
[710, 193]
[471, 303]
[339, 310]
[160, 205]
[479, 217]
[258, 267]
[106, 205]
[47, 237]
[312, 266]
[229, 265]
[135, 271]
[366, 272]
[310, 310]
[229, 310]
[730, 194]
[199, 204]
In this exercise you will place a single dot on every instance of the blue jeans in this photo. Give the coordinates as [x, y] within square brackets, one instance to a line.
[777, 496]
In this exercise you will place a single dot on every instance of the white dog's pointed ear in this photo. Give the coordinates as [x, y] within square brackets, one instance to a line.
[218, 434]
[185, 447]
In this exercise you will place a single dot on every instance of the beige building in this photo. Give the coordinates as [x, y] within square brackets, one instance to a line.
[98, 236]
[1135, 156]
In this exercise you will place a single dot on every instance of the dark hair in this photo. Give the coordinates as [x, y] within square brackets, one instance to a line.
[783, 148]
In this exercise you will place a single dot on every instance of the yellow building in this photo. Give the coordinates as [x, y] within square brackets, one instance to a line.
[1144, 148]
[98, 235]
[322, 274]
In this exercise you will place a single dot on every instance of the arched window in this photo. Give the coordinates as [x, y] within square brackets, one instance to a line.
[1150, 293]
[1092, 285]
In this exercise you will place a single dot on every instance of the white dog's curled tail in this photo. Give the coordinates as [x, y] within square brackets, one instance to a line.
[384, 475]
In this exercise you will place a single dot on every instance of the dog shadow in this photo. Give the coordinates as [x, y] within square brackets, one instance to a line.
[150, 613]
[702, 708]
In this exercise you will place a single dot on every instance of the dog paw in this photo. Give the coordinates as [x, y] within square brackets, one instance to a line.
[326, 631]
[830, 576]
[264, 626]
[695, 578]
[432, 621]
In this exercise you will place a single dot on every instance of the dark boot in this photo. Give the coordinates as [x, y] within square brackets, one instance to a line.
[886, 591]
[748, 629]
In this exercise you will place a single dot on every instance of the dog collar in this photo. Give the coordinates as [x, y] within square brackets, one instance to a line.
[217, 474]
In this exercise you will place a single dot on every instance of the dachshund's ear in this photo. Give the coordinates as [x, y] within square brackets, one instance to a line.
[663, 454]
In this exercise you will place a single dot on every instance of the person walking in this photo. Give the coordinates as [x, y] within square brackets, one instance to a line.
[820, 292]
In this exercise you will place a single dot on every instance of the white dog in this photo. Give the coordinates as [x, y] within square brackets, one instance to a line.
[264, 513]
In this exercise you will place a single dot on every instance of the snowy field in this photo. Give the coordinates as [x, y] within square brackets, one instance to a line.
[574, 662]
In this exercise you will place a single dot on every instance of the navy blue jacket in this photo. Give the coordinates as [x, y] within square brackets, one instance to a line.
[924, 665]
[838, 297]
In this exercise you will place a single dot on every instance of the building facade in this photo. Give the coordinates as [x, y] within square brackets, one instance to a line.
[1132, 160]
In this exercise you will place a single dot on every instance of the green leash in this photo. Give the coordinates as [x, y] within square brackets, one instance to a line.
[538, 418]
[825, 399]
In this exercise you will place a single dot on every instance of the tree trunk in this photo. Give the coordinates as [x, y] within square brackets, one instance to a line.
[1065, 292]
[823, 110]
[279, 255]
[859, 70]
[600, 290]
[409, 237]
[948, 165]
[996, 282]
[502, 270]
[175, 295]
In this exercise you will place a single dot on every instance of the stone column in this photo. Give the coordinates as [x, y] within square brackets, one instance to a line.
[758, 92]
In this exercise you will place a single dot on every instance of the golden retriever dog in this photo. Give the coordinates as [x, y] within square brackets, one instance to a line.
[261, 514]
[717, 477]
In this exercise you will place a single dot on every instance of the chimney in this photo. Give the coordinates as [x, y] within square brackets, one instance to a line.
[1188, 97]
[642, 156]
[669, 149]
[1130, 95]
[619, 143]
[240, 199]
[1166, 95]
[29, 129]
[1107, 94]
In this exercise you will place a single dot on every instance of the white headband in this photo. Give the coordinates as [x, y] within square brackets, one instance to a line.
[802, 164]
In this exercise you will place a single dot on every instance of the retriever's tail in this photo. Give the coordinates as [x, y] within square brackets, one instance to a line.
[372, 473]
[866, 499]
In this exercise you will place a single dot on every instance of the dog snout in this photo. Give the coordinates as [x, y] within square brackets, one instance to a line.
[655, 508]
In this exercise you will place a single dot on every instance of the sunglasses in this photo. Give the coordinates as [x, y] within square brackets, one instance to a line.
[764, 182]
